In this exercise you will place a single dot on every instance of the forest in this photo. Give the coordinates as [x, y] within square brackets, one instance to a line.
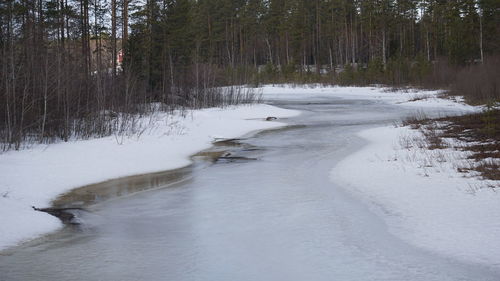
[77, 68]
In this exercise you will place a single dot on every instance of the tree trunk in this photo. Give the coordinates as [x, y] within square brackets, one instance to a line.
[113, 37]
[125, 23]
[481, 37]
[384, 56]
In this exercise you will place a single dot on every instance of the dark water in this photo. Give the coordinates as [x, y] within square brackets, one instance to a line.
[279, 217]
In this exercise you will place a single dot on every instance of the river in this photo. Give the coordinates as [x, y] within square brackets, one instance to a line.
[276, 216]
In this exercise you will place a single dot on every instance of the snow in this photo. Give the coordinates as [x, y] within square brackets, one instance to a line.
[422, 197]
[36, 176]
[406, 97]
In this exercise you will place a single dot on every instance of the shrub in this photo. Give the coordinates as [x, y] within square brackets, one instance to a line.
[479, 83]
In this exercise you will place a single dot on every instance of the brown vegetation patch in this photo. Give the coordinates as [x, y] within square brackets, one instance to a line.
[489, 170]
[483, 127]
[479, 133]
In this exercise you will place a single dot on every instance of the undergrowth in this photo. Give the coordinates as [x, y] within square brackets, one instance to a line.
[478, 134]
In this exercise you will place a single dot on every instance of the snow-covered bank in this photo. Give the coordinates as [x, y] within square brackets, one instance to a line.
[422, 196]
[36, 176]
[420, 193]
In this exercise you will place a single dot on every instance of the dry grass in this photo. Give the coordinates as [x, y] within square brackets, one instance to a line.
[420, 97]
[483, 127]
[416, 120]
[477, 134]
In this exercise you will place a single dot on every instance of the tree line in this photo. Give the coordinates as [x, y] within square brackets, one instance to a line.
[65, 62]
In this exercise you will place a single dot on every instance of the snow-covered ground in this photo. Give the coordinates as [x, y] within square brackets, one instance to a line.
[422, 196]
[36, 176]
[417, 99]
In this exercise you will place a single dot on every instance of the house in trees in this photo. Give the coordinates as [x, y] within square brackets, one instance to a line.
[102, 54]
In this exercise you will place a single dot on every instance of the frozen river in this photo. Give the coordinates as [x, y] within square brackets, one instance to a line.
[279, 217]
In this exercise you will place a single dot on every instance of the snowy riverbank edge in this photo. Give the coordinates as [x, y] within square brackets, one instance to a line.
[36, 176]
[423, 198]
